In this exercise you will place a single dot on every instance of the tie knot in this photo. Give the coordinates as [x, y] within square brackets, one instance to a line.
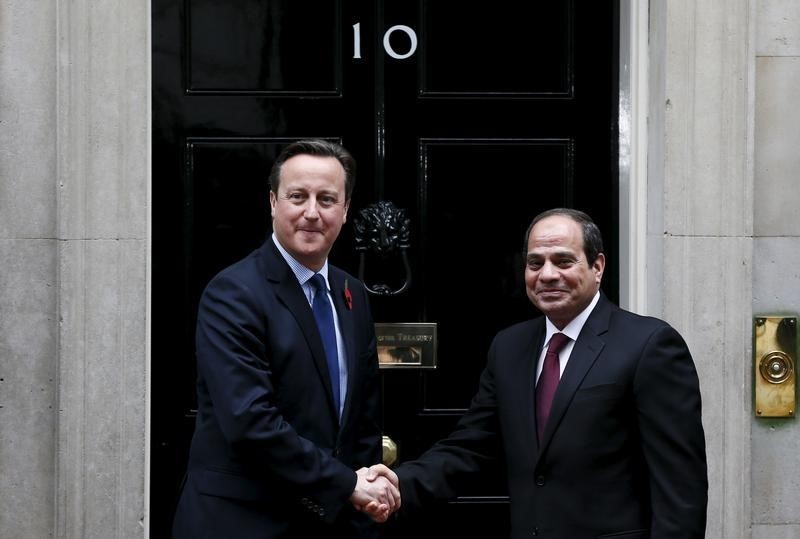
[557, 342]
[318, 283]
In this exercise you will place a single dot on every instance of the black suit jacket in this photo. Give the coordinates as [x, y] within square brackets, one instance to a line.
[622, 454]
[269, 458]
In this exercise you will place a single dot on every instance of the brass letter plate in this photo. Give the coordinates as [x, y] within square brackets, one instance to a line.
[775, 353]
[406, 345]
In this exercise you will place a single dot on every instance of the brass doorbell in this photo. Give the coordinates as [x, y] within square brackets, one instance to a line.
[775, 376]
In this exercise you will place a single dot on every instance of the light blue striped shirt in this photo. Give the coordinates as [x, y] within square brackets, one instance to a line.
[303, 275]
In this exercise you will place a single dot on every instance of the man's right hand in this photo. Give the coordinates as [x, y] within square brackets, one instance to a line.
[377, 496]
[380, 473]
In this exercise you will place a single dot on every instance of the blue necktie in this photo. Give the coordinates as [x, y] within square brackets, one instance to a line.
[324, 317]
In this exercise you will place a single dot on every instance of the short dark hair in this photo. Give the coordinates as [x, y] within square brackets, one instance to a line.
[318, 147]
[592, 239]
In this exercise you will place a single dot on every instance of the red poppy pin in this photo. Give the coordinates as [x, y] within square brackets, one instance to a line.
[348, 297]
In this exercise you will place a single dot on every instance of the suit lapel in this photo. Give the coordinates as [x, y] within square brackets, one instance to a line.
[584, 354]
[530, 355]
[346, 325]
[290, 293]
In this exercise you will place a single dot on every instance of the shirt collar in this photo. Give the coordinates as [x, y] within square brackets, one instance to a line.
[573, 329]
[302, 273]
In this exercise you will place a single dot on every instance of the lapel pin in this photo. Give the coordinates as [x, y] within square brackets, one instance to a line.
[348, 297]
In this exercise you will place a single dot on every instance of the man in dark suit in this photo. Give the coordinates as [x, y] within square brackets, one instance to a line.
[288, 406]
[619, 451]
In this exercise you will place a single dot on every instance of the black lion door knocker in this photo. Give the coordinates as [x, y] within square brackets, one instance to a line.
[383, 230]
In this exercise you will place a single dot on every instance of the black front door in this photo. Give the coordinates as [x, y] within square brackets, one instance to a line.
[471, 116]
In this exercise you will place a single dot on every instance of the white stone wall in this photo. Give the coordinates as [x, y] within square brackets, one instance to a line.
[74, 215]
[723, 239]
[776, 260]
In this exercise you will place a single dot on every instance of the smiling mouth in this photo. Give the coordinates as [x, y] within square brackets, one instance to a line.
[550, 291]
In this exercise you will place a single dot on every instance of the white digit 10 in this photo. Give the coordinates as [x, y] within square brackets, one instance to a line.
[387, 46]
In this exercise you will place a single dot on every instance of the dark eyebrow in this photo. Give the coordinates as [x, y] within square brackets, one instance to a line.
[557, 254]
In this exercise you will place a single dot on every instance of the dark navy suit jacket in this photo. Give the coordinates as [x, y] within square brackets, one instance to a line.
[269, 457]
[622, 454]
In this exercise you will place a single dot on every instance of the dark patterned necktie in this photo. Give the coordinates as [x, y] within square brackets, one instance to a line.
[323, 314]
[548, 381]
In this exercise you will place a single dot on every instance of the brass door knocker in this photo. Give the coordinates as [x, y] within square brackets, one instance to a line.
[383, 230]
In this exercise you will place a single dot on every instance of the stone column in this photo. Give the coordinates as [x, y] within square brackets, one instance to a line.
[29, 269]
[74, 217]
[702, 188]
[103, 147]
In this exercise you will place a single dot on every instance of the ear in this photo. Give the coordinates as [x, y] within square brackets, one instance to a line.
[346, 207]
[272, 200]
[598, 266]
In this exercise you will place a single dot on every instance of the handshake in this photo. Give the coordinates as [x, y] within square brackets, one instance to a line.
[377, 492]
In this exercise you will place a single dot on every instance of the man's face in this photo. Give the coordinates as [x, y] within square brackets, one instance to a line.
[310, 207]
[558, 279]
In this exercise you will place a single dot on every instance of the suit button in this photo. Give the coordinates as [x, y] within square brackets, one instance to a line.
[338, 452]
[540, 480]
[535, 532]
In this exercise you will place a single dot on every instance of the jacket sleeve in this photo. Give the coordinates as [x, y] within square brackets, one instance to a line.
[234, 364]
[444, 470]
[667, 394]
